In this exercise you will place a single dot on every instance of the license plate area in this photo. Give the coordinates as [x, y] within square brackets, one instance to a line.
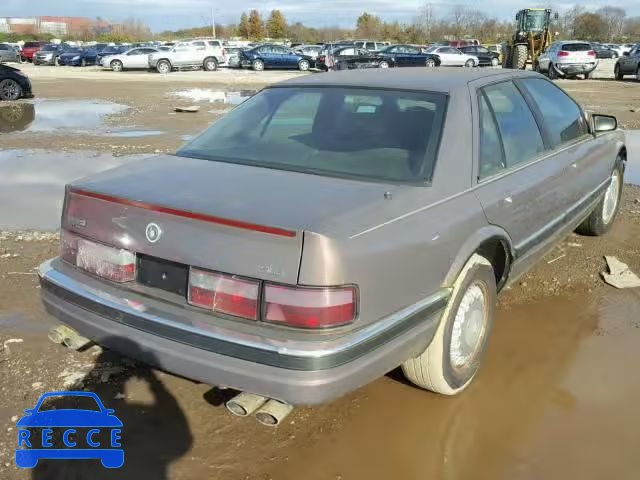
[163, 274]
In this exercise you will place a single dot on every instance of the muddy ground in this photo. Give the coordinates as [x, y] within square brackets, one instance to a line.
[555, 398]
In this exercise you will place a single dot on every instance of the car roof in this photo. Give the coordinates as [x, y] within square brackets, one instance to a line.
[443, 80]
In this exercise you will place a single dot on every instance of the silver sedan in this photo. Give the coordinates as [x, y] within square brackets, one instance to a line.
[134, 59]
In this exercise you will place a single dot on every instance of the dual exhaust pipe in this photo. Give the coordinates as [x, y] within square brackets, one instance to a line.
[268, 412]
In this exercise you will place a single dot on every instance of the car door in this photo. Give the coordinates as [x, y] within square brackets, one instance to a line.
[544, 59]
[567, 134]
[449, 56]
[137, 58]
[5, 53]
[520, 188]
[412, 56]
[181, 54]
[196, 53]
[629, 63]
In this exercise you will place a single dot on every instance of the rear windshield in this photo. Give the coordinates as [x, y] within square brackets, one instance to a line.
[386, 135]
[576, 47]
[31, 44]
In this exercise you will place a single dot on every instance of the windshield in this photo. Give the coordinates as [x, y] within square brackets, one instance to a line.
[535, 20]
[352, 132]
[433, 49]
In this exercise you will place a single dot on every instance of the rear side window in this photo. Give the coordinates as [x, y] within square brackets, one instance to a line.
[491, 154]
[519, 131]
[351, 132]
[576, 47]
[562, 117]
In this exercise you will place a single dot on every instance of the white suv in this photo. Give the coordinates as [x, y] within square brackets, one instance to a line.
[568, 59]
[204, 53]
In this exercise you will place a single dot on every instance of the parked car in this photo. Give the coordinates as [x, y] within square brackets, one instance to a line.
[627, 47]
[112, 50]
[13, 84]
[568, 59]
[407, 56]
[205, 54]
[275, 56]
[134, 59]
[30, 48]
[616, 48]
[9, 54]
[78, 57]
[49, 54]
[496, 48]
[452, 57]
[312, 51]
[371, 45]
[347, 58]
[603, 52]
[628, 64]
[418, 194]
[233, 56]
[486, 58]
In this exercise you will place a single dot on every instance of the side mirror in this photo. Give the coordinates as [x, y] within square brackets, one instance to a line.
[604, 123]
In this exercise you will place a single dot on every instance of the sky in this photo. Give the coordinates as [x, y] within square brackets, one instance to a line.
[174, 14]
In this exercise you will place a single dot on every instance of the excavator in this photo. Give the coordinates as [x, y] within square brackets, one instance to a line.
[532, 37]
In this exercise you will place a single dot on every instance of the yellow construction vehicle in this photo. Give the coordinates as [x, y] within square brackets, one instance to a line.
[531, 38]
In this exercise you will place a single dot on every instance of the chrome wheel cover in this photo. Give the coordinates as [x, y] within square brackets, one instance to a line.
[469, 327]
[611, 197]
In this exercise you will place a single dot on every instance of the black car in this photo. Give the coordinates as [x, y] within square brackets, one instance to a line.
[628, 64]
[348, 58]
[486, 57]
[407, 56]
[603, 52]
[13, 84]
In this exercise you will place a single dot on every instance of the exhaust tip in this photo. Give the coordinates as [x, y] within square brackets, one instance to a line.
[245, 404]
[273, 413]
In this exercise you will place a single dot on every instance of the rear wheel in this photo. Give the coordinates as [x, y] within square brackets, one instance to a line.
[83, 63]
[163, 66]
[453, 357]
[430, 63]
[10, 89]
[258, 65]
[495, 62]
[303, 65]
[618, 73]
[469, 63]
[601, 219]
[116, 66]
[210, 64]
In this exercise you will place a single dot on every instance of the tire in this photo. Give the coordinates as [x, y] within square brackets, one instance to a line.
[618, 73]
[506, 57]
[56, 62]
[638, 74]
[552, 74]
[10, 89]
[604, 214]
[588, 75]
[434, 369]
[536, 67]
[614, 55]
[303, 65]
[116, 65]
[520, 54]
[210, 64]
[83, 63]
[383, 64]
[257, 65]
[495, 62]
[430, 63]
[163, 66]
[469, 64]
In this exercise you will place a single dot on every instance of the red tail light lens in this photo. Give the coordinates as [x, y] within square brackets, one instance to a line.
[591, 53]
[110, 263]
[224, 293]
[309, 307]
[562, 53]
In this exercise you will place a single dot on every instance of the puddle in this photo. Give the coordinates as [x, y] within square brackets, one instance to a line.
[632, 174]
[215, 96]
[32, 184]
[136, 133]
[553, 399]
[52, 116]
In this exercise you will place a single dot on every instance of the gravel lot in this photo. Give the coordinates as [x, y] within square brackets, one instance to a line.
[551, 401]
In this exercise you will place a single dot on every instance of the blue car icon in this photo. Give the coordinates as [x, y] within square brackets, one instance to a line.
[38, 447]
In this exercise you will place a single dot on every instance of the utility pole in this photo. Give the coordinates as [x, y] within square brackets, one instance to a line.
[213, 24]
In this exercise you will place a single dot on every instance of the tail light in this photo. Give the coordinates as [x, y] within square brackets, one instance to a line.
[591, 53]
[562, 53]
[224, 293]
[309, 307]
[110, 263]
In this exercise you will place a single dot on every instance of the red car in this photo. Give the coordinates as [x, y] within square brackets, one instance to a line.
[30, 48]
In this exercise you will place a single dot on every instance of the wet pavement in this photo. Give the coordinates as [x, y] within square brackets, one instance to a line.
[32, 183]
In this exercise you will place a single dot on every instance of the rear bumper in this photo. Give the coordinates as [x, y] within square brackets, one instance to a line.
[575, 68]
[309, 371]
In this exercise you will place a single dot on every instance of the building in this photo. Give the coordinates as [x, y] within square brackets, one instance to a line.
[56, 26]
